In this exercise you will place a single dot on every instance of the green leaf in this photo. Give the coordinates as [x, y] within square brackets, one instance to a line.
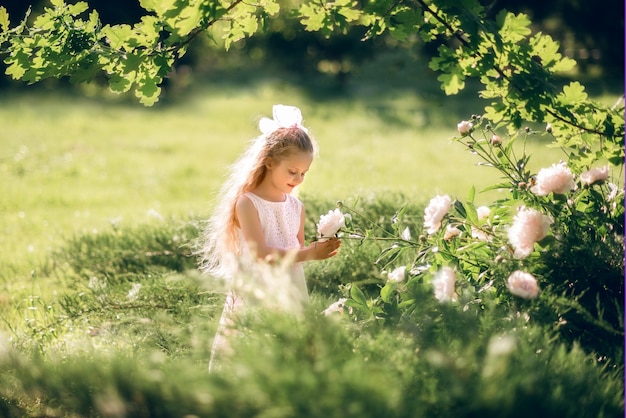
[150, 28]
[452, 82]
[494, 113]
[387, 291]
[312, 18]
[15, 70]
[160, 7]
[78, 8]
[574, 93]
[346, 8]
[148, 90]
[271, 7]
[119, 84]
[513, 28]
[460, 209]
[4, 18]
[19, 62]
[472, 215]
[406, 303]
[118, 35]
[471, 194]
[358, 295]
[190, 18]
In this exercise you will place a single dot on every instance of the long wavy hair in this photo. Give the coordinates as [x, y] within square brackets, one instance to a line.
[219, 242]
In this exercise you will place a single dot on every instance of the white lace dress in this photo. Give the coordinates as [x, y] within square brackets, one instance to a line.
[280, 222]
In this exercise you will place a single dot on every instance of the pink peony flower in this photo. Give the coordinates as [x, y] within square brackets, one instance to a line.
[529, 226]
[444, 282]
[465, 127]
[595, 175]
[523, 285]
[435, 211]
[555, 179]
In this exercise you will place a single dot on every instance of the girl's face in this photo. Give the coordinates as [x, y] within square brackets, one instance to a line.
[288, 172]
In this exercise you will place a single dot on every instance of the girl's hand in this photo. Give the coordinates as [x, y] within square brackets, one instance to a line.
[321, 250]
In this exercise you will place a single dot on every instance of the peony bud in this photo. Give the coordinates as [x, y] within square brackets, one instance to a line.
[465, 127]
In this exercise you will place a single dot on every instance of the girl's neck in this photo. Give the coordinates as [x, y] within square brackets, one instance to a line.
[269, 194]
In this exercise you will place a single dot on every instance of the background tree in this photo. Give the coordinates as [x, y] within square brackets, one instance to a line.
[592, 35]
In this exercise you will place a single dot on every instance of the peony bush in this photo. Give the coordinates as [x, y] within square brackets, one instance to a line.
[550, 248]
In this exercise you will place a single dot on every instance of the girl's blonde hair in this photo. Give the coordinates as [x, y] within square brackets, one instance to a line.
[220, 242]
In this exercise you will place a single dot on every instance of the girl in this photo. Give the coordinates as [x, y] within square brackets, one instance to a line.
[257, 219]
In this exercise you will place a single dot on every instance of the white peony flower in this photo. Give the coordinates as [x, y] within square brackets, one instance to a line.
[444, 282]
[336, 307]
[435, 211]
[595, 175]
[529, 226]
[397, 275]
[451, 232]
[555, 179]
[483, 212]
[523, 284]
[331, 223]
[464, 127]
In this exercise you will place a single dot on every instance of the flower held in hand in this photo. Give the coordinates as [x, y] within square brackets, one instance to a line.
[331, 223]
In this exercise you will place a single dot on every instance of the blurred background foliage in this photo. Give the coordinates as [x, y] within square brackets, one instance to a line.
[592, 35]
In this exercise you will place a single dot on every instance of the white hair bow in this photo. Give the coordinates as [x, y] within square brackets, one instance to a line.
[284, 117]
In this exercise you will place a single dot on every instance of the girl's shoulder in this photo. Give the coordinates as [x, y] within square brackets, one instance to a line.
[246, 201]
[293, 200]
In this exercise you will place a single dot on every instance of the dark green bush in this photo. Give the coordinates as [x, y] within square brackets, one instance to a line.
[120, 253]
